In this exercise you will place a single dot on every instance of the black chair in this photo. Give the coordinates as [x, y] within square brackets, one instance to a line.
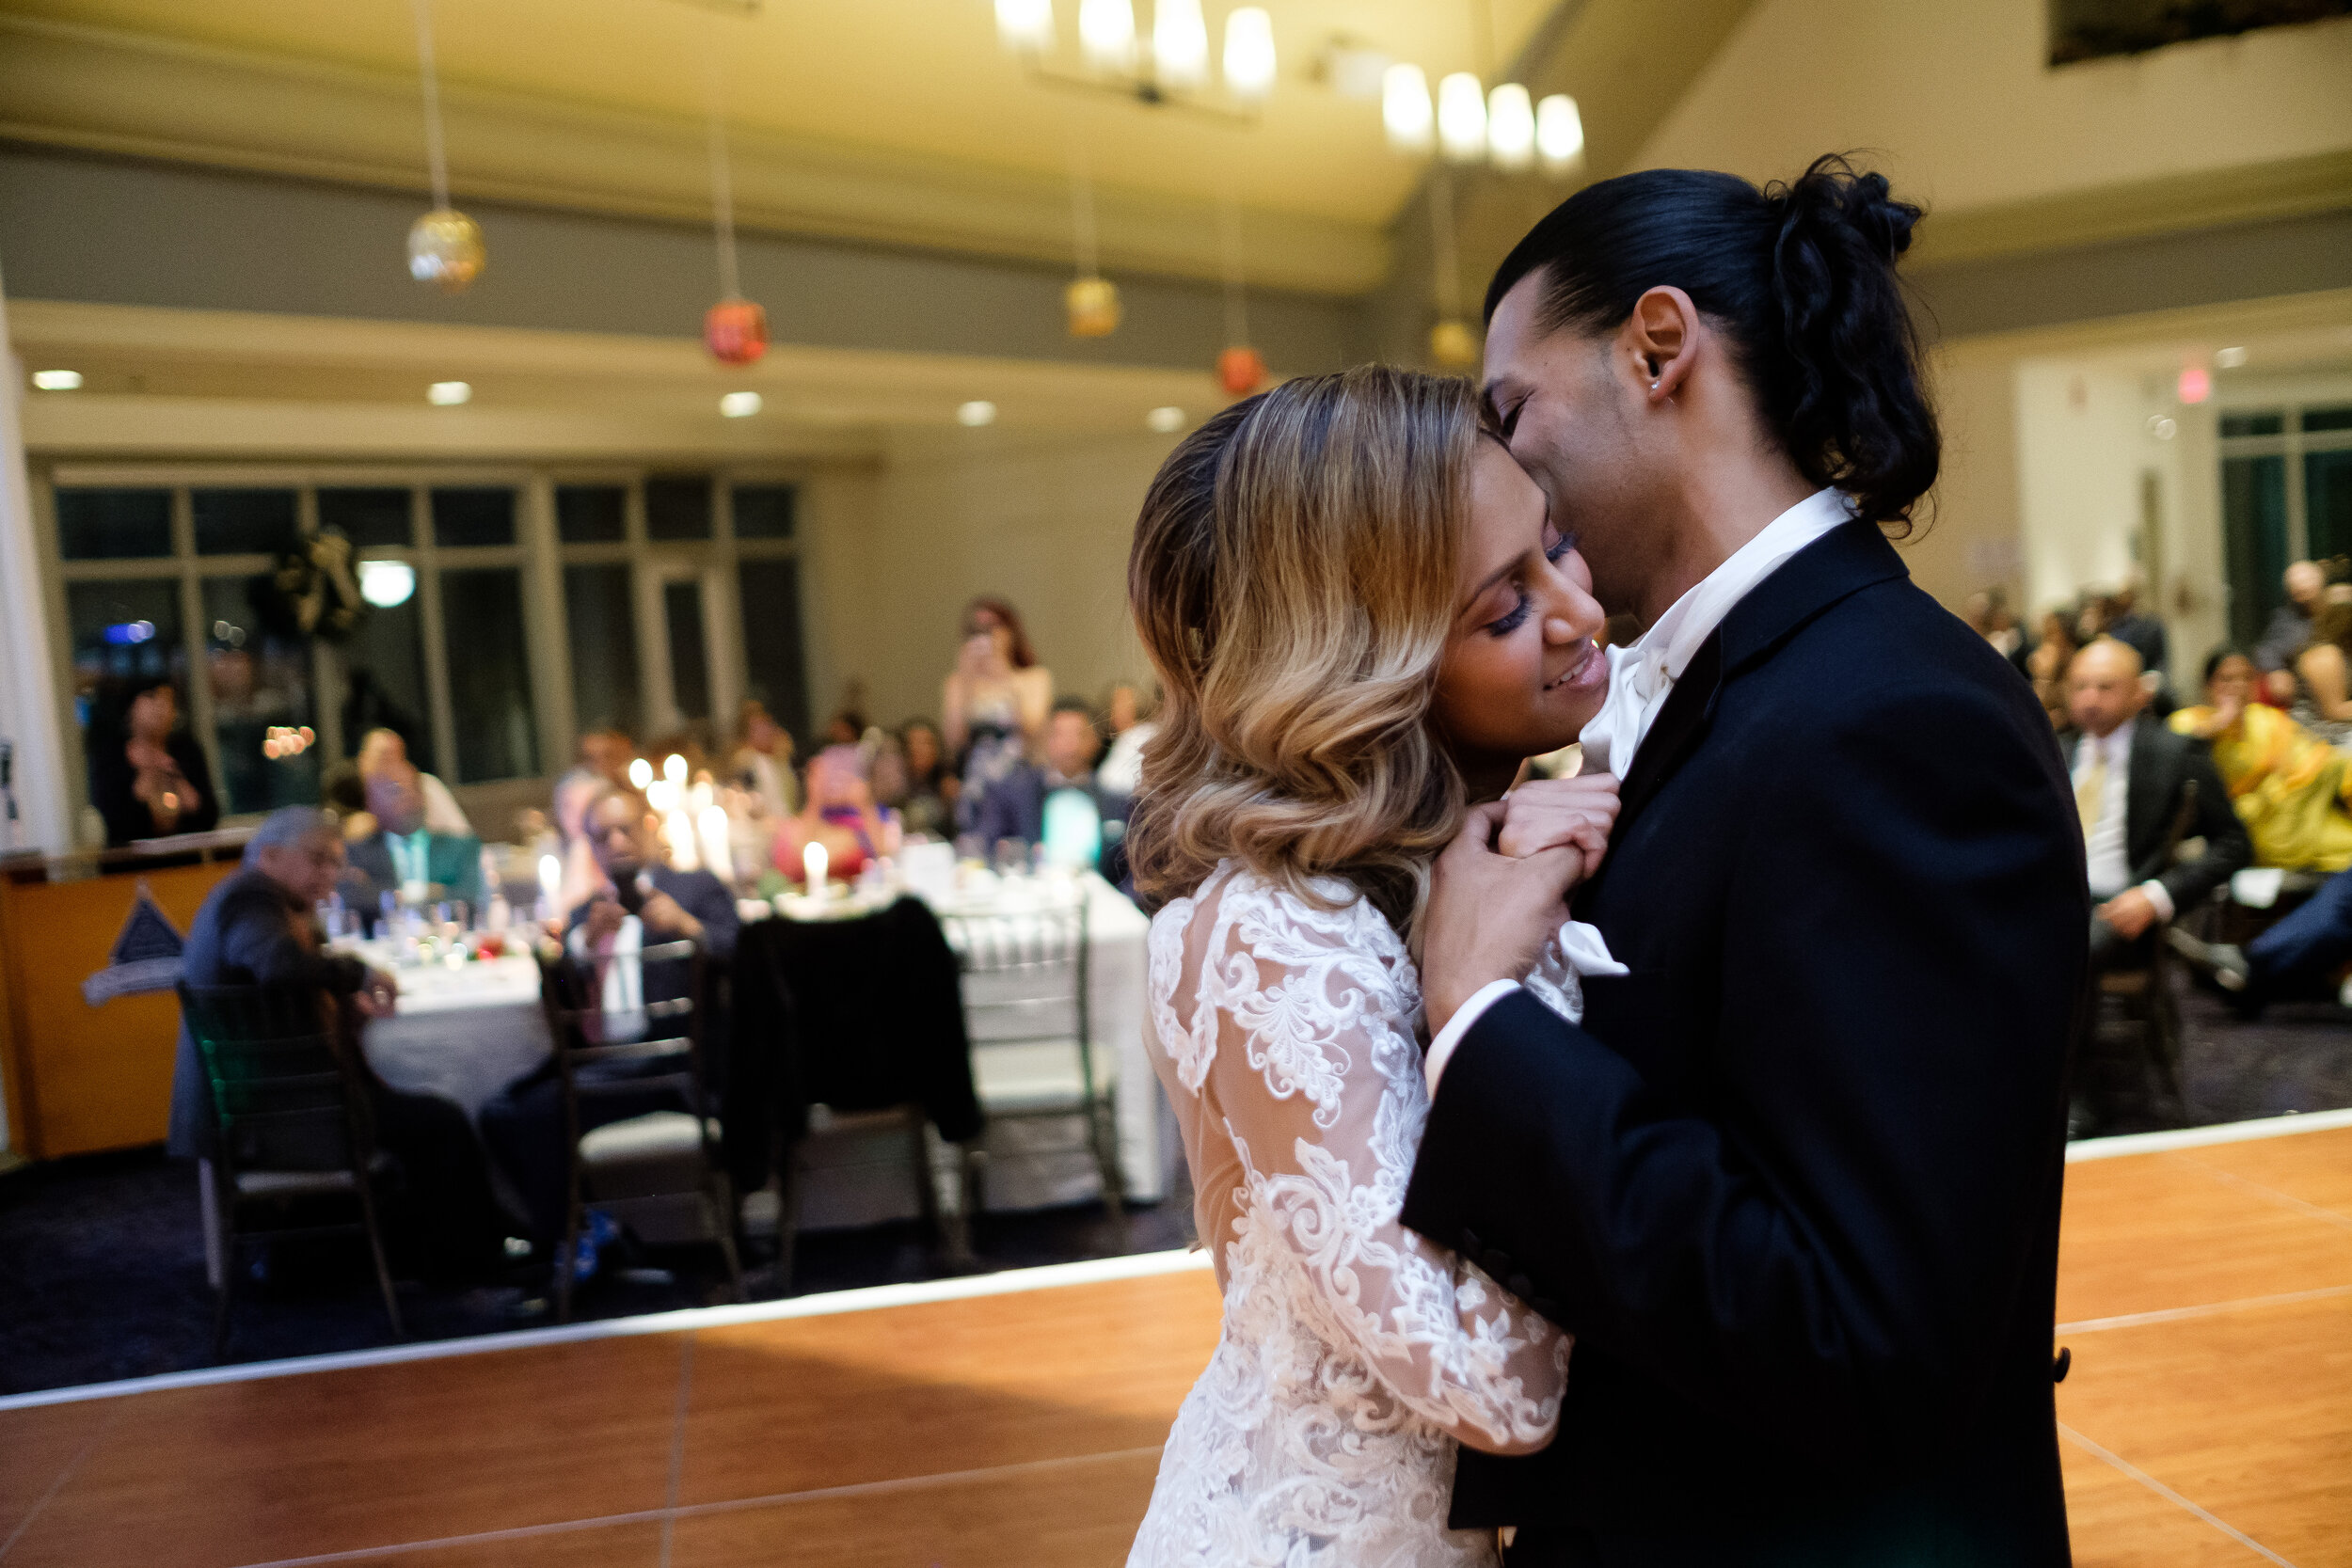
[852, 1029]
[651, 1049]
[1026, 1003]
[291, 1112]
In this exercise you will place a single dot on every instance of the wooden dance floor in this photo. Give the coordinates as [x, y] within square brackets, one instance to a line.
[2206, 1293]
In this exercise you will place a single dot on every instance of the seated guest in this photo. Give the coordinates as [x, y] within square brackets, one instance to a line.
[2323, 670]
[639, 903]
[148, 777]
[763, 762]
[2046, 662]
[2133, 785]
[2138, 632]
[404, 858]
[1016, 805]
[929, 805]
[840, 814]
[1120, 771]
[2290, 630]
[346, 788]
[256, 929]
[607, 753]
[2291, 789]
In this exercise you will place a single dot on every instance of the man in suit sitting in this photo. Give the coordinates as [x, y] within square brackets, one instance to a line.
[2142, 791]
[255, 929]
[641, 903]
[405, 856]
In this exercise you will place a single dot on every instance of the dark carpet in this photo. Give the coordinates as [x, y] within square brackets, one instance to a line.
[101, 1260]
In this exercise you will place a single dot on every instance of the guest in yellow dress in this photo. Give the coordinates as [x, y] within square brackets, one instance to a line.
[2291, 789]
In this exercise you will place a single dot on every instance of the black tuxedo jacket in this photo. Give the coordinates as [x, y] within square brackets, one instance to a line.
[2165, 766]
[1794, 1186]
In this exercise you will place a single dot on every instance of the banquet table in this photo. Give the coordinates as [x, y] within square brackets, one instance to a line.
[462, 1033]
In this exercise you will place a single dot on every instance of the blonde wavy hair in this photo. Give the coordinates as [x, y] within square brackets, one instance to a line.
[1292, 580]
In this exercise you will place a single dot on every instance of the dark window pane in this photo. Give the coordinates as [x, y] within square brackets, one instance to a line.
[2253, 541]
[262, 716]
[489, 674]
[480, 515]
[678, 506]
[2253, 424]
[690, 666]
[764, 511]
[371, 516]
[2317, 420]
[113, 524]
[384, 680]
[122, 631]
[2328, 502]
[242, 522]
[591, 513]
[774, 672]
[601, 629]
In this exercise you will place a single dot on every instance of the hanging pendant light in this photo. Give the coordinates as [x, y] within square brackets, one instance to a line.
[1106, 34]
[1026, 26]
[1406, 111]
[445, 245]
[1180, 45]
[735, 331]
[1462, 119]
[1240, 369]
[1091, 300]
[1559, 133]
[1249, 65]
[1511, 127]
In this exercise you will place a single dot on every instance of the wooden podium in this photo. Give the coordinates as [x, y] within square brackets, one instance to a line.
[85, 1041]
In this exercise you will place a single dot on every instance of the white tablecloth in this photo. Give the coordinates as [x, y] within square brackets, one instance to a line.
[462, 1034]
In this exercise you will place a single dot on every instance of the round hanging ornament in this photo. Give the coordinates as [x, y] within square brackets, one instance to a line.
[1094, 305]
[445, 249]
[736, 332]
[1240, 370]
[1452, 344]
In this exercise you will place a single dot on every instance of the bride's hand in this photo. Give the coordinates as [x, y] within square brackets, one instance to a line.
[1549, 814]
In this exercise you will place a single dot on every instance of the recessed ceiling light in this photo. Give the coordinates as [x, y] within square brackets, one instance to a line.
[739, 405]
[1167, 420]
[448, 394]
[980, 411]
[2230, 358]
[58, 380]
[387, 583]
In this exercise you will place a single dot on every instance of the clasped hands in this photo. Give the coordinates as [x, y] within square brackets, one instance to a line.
[660, 912]
[1501, 888]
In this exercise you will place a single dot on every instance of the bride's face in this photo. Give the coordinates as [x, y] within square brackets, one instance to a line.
[1522, 674]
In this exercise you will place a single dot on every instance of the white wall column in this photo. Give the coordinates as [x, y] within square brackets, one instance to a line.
[28, 691]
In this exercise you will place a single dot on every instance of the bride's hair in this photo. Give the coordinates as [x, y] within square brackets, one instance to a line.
[1292, 579]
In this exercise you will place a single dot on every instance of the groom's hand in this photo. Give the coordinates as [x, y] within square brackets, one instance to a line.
[1489, 913]
[1544, 814]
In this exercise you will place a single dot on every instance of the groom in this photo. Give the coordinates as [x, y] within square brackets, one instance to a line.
[1793, 1185]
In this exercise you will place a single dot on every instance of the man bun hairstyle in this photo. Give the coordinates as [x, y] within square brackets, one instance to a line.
[1800, 279]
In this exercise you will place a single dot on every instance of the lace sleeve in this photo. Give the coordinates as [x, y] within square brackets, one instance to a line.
[1317, 1076]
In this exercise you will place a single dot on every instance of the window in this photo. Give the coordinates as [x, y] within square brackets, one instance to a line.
[511, 612]
[2286, 495]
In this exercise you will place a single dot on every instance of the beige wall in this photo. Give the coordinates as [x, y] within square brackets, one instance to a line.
[897, 548]
[1955, 103]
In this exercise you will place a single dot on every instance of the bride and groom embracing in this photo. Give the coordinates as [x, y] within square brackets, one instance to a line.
[1717, 1225]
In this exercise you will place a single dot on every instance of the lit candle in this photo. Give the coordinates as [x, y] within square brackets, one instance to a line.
[813, 866]
[716, 853]
[640, 773]
[551, 879]
[673, 768]
[679, 830]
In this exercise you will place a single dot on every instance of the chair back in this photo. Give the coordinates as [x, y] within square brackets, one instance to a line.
[652, 1042]
[1025, 977]
[285, 1097]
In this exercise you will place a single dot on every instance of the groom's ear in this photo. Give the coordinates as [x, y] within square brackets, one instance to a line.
[1661, 340]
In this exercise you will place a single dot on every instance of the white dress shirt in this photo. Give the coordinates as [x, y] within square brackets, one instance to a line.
[2106, 844]
[1642, 676]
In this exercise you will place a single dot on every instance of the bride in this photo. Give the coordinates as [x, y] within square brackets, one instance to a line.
[1363, 619]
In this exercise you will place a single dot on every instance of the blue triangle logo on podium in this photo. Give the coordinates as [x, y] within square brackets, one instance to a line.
[145, 957]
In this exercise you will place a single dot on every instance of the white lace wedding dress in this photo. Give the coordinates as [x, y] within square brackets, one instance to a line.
[1354, 1353]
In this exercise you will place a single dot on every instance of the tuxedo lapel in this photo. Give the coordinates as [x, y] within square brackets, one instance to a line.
[2147, 801]
[1677, 731]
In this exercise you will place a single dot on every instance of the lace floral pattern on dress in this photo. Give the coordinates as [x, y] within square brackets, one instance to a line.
[1353, 1353]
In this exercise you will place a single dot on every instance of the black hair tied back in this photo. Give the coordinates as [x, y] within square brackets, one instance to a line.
[1800, 278]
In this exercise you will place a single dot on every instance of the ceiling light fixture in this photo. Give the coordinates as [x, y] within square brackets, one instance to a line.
[1164, 420]
[58, 380]
[1026, 26]
[448, 394]
[1559, 133]
[739, 405]
[972, 414]
[1106, 34]
[1249, 63]
[1511, 127]
[1180, 43]
[2230, 358]
[1406, 111]
[1171, 71]
[387, 583]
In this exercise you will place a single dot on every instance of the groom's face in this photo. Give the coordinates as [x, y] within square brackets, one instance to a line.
[1566, 408]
